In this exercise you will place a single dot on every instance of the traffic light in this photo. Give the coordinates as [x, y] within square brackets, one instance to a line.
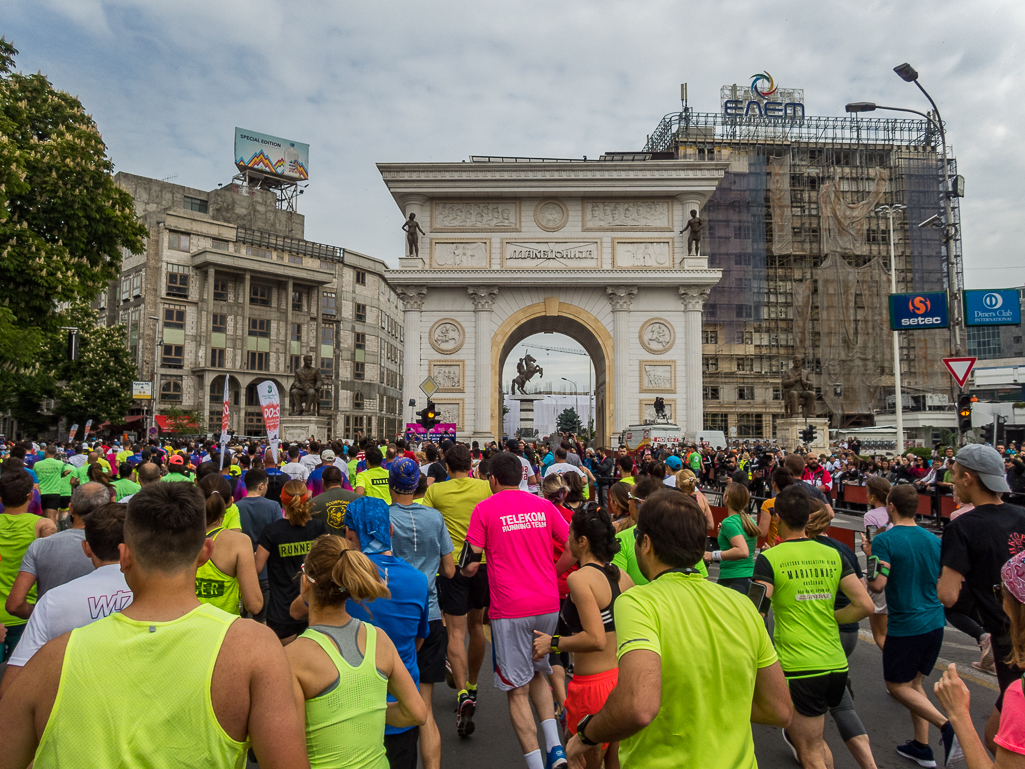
[808, 434]
[428, 416]
[987, 434]
[964, 412]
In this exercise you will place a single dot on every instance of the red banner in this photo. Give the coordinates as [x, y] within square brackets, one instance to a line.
[270, 403]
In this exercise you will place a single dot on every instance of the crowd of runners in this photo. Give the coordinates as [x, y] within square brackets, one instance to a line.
[372, 573]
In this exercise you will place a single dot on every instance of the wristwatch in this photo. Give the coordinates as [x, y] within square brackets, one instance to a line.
[580, 730]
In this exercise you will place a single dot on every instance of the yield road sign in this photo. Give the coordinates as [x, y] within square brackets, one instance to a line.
[960, 369]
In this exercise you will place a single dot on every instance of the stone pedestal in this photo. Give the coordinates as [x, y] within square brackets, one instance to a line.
[294, 429]
[788, 433]
[527, 413]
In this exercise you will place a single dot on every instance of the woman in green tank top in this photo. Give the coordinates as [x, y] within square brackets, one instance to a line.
[231, 570]
[344, 668]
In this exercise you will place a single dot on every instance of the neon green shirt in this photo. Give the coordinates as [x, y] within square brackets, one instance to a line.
[82, 473]
[173, 477]
[374, 481]
[125, 487]
[626, 558]
[805, 576]
[455, 500]
[705, 718]
[215, 587]
[17, 532]
[49, 472]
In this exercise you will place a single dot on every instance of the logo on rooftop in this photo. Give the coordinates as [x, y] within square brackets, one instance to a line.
[756, 91]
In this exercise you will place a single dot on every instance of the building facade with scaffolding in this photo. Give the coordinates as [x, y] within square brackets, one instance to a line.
[805, 258]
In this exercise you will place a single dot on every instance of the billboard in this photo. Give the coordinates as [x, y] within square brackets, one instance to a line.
[271, 155]
[992, 307]
[916, 312]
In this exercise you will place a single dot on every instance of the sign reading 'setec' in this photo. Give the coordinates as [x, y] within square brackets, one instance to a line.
[915, 312]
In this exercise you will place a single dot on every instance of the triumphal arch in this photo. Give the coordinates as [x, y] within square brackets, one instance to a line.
[498, 249]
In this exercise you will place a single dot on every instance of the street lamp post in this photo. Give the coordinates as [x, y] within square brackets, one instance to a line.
[908, 73]
[889, 211]
[156, 359]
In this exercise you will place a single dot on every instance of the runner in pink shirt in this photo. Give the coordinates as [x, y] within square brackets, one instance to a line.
[515, 529]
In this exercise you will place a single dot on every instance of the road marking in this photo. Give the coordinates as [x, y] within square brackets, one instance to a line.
[965, 671]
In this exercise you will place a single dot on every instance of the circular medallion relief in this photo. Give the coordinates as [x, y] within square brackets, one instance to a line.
[447, 336]
[657, 336]
[551, 215]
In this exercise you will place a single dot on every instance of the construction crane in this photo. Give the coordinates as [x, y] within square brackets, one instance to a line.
[556, 349]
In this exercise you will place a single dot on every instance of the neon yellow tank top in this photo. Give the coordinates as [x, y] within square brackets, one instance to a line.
[215, 587]
[169, 664]
[345, 727]
[17, 532]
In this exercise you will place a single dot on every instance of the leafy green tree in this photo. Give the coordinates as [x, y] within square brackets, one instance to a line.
[64, 225]
[568, 421]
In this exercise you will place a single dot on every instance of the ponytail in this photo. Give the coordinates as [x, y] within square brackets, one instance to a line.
[594, 523]
[737, 498]
[819, 520]
[338, 571]
[296, 498]
[217, 491]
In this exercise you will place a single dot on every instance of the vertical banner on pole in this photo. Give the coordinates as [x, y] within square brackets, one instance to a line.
[88, 426]
[71, 434]
[270, 403]
[224, 421]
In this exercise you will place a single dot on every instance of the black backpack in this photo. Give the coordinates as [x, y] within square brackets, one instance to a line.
[275, 483]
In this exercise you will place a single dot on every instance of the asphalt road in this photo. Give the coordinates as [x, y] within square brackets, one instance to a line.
[494, 744]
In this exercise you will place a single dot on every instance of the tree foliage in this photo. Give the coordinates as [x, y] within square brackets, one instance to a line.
[183, 420]
[568, 421]
[64, 225]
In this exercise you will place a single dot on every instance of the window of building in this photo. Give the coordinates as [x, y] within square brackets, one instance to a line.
[295, 259]
[220, 289]
[713, 421]
[259, 327]
[361, 340]
[258, 361]
[327, 367]
[173, 356]
[195, 204]
[219, 324]
[777, 394]
[749, 425]
[984, 342]
[327, 400]
[297, 332]
[126, 287]
[171, 390]
[177, 280]
[708, 363]
[327, 335]
[260, 295]
[745, 364]
[174, 316]
[746, 393]
[217, 357]
[361, 313]
[359, 370]
[357, 400]
[219, 245]
[710, 393]
[178, 241]
[327, 303]
[352, 427]
[297, 301]
[328, 266]
[361, 278]
[710, 337]
[260, 253]
[295, 362]
[137, 279]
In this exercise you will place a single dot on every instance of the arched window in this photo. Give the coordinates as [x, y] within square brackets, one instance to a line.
[171, 390]
[357, 400]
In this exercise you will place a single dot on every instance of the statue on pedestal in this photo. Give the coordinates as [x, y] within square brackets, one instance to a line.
[412, 227]
[798, 392]
[694, 239]
[526, 368]
[304, 394]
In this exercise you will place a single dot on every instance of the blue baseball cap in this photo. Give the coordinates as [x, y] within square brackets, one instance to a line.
[404, 476]
[673, 462]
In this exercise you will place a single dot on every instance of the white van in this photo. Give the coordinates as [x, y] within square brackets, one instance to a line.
[714, 438]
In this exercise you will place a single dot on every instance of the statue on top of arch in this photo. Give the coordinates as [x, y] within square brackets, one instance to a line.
[526, 368]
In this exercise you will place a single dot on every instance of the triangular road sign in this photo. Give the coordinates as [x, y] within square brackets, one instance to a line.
[960, 368]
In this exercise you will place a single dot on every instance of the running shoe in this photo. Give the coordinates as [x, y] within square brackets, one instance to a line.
[986, 644]
[952, 753]
[556, 758]
[786, 739]
[464, 715]
[473, 696]
[921, 756]
[449, 678]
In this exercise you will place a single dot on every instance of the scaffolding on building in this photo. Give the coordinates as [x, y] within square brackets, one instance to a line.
[805, 259]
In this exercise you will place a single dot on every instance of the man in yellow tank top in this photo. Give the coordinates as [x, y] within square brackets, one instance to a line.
[164, 648]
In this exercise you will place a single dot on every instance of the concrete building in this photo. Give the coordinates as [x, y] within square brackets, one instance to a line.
[228, 286]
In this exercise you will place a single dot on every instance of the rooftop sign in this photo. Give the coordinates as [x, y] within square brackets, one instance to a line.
[271, 155]
[762, 98]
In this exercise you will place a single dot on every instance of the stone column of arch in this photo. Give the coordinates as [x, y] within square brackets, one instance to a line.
[412, 298]
[693, 301]
[483, 298]
[621, 298]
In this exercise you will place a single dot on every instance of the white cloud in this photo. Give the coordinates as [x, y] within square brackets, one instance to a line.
[391, 81]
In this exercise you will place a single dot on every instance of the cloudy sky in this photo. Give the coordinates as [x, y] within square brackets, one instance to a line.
[438, 81]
